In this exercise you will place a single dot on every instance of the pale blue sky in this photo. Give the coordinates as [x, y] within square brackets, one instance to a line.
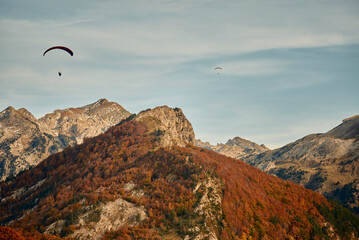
[290, 68]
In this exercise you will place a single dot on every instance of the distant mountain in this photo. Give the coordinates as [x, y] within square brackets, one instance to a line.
[25, 140]
[327, 163]
[144, 179]
[236, 148]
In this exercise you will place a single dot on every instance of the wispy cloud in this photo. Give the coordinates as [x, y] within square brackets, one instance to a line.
[253, 67]
[163, 52]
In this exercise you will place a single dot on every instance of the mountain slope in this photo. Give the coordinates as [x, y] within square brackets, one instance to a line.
[129, 183]
[25, 140]
[327, 163]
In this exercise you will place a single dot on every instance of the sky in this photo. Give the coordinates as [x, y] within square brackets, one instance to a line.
[289, 67]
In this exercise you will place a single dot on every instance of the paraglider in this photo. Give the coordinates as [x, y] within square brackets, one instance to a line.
[68, 50]
[217, 69]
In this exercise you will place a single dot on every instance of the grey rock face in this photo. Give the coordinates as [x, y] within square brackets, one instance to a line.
[169, 124]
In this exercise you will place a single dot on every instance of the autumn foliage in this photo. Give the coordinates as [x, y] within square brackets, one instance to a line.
[7, 233]
[254, 204]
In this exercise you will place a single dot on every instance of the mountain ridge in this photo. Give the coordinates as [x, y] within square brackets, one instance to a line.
[237, 147]
[325, 162]
[25, 140]
[131, 181]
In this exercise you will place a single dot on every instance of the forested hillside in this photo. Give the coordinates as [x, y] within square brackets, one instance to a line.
[124, 185]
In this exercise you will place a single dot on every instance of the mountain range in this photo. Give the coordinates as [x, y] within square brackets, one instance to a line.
[144, 178]
[326, 162]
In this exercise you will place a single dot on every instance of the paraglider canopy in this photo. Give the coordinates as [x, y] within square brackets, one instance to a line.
[60, 47]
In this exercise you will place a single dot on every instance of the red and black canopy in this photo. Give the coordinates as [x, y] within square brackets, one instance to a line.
[60, 47]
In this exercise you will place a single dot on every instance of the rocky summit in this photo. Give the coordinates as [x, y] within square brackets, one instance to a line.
[25, 140]
[327, 162]
[236, 148]
[170, 123]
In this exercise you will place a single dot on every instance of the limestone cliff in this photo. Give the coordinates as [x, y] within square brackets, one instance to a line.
[170, 124]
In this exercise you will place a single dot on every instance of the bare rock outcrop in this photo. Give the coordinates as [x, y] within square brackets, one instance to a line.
[170, 124]
[86, 121]
[108, 217]
[210, 208]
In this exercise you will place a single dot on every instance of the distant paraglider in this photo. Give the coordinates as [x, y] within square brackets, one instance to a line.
[68, 50]
[218, 69]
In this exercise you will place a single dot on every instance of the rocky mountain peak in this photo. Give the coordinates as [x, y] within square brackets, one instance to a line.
[7, 112]
[87, 121]
[170, 124]
[27, 114]
[356, 117]
[349, 129]
[25, 141]
[102, 101]
[12, 120]
[237, 148]
[246, 144]
[8, 109]
[96, 104]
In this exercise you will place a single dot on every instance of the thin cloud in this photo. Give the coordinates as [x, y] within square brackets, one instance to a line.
[252, 67]
[164, 52]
